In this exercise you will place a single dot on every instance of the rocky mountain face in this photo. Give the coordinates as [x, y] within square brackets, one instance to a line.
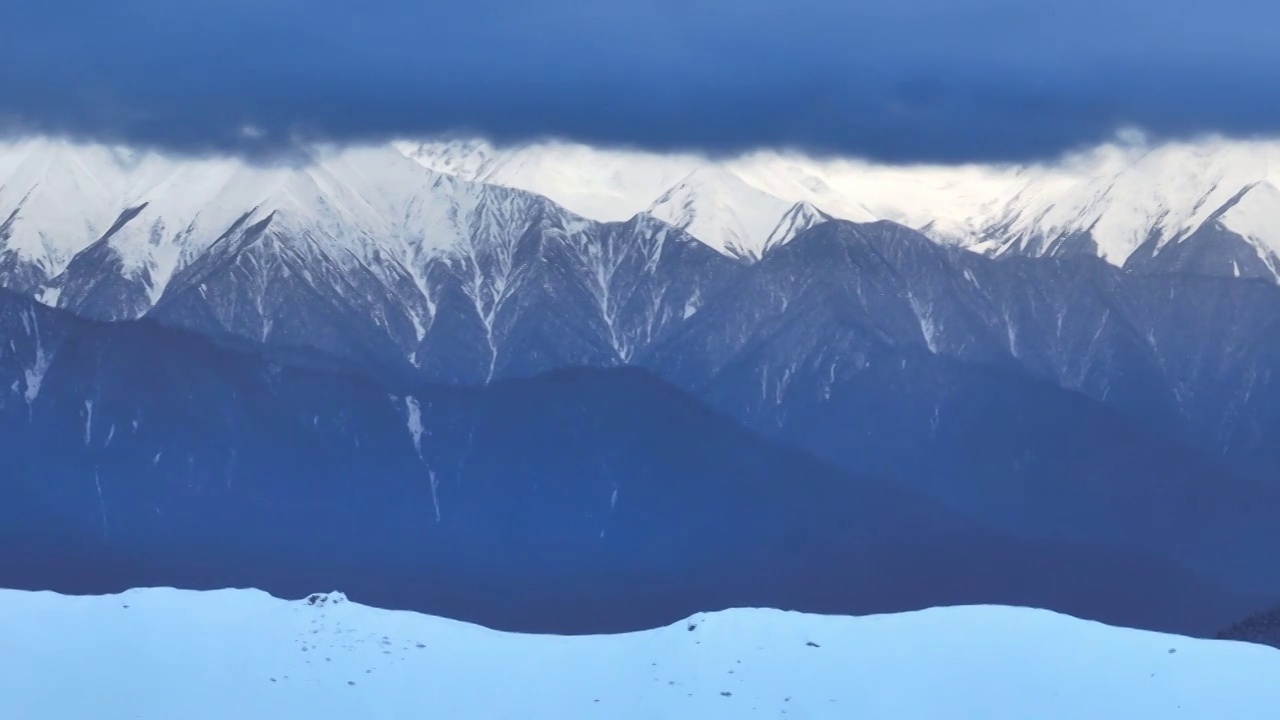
[1013, 389]
[360, 255]
[578, 501]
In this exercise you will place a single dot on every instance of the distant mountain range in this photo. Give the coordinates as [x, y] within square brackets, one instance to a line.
[764, 381]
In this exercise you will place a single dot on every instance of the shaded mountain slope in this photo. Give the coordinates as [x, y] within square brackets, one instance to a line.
[585, 500]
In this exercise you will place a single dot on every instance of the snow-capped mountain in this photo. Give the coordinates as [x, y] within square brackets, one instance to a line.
[158, 652]
[606, 185]
[1137, 206]
[383, 249]
[955, 204]
[111, 226]
[708, 200]
[1241, 238]
[1188, 204]
[717, 207]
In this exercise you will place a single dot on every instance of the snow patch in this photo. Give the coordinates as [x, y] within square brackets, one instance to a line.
[413, 420]
[33, 375]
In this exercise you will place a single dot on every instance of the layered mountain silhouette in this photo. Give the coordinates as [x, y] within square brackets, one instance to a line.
[577, 501]
[465, 399]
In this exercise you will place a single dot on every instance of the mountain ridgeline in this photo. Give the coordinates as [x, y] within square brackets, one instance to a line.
[464, 399]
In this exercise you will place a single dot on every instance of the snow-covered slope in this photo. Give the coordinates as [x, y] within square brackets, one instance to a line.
[1241, 239]
[343, 243]
[710, 200]
[954, 203]
[160, 653]
[139, 217]
[607, 185]
[717, 207]
[1123, 198]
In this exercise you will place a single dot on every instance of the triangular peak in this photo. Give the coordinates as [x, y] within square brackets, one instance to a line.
[1254, 214]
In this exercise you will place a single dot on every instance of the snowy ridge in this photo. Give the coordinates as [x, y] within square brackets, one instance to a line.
[159, 653]
[1124, 197]
[146, 215]
[717, 207]
[710, 201]
[1255, 216]
[364, 233]
[113, 232]
[613, 184]
[605, 185]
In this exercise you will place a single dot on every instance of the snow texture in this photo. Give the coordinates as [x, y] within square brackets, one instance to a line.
[719, 208]
[161, 653]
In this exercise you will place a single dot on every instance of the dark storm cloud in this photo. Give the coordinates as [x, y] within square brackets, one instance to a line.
[894, 79]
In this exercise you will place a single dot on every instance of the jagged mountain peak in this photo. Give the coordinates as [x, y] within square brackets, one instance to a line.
[1240, 238]
[1255, 215]
[1125, 199]
[721, 209]
[83, 223]
[881, 236]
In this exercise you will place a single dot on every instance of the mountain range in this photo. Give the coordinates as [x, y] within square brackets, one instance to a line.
[1210, 206]
[568, 389]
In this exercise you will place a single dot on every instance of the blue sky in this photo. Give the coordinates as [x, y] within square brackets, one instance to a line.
[899, 80]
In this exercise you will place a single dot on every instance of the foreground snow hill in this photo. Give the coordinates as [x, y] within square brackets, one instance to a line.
[163, 653]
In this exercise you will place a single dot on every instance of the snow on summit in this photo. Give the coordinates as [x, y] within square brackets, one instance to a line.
[153, 213]
[719, 208]
[1255, 215]
[157, 654]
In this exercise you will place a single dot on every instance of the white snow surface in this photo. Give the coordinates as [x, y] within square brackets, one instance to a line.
[157, 654]
[720, 209]
[1124, 195]
[1256, 218]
